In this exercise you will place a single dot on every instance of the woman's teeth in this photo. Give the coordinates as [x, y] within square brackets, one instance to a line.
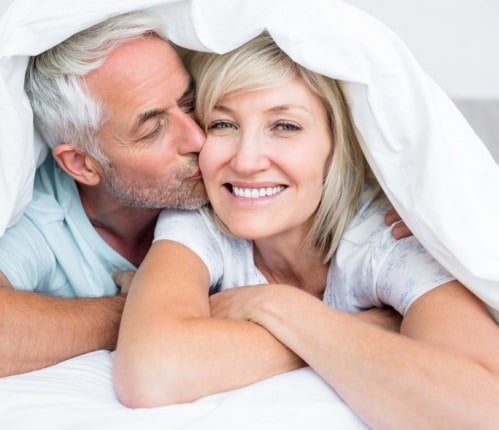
[254, 193]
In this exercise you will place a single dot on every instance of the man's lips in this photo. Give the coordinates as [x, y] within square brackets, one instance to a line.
[196, 175]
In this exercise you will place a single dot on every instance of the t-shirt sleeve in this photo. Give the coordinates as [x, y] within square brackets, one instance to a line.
[193, 229]
[408, 272]
[25, 257]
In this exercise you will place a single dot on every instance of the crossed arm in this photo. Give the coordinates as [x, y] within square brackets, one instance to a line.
[443, 370]
[38, 330]
[171, 350]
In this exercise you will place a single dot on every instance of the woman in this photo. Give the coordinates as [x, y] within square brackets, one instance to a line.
[299, 228]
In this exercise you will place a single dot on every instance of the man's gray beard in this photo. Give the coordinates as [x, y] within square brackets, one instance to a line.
[131, 193]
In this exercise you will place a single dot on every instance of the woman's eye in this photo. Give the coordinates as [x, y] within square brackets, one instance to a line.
[287, 126]
[221, 127]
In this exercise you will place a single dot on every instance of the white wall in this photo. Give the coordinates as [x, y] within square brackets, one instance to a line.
[456, 41]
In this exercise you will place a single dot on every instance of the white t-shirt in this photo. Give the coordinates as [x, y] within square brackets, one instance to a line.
[370, 267]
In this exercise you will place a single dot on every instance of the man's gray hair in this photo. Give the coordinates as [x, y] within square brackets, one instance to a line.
[64, 111]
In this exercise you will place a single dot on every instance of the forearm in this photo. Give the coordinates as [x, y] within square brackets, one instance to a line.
[180, 362]
[391, 381]
[38, 330]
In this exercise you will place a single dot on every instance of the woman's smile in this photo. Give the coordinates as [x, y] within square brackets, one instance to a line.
[255, 192]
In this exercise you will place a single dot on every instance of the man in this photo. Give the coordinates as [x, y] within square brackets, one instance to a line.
[115, 104]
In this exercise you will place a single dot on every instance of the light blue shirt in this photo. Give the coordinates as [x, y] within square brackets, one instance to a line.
[370, 267]
[53, 248]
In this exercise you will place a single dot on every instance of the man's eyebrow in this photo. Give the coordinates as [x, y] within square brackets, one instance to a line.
[146, 116]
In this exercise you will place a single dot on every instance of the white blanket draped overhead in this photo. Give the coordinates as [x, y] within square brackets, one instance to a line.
[435, 170]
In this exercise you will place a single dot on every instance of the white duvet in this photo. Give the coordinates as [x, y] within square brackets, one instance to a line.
[435, 170]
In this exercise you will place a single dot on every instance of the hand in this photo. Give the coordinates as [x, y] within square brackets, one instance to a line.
[386, 317]
[239, 303]
[399, 229]
[236, 303]
[123, 280]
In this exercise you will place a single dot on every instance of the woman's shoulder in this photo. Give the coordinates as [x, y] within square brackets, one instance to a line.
[179, 222]
[371, 267]
[199, 226]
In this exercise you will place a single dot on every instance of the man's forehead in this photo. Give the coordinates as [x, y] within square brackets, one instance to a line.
[131, 53]
[148, 66]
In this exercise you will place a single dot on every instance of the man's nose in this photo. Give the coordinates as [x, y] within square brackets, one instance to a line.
[191, 136]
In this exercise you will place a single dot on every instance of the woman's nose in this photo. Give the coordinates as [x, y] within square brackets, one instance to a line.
[250, 154]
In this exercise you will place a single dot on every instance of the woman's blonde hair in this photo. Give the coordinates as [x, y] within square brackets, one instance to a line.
[260, 63]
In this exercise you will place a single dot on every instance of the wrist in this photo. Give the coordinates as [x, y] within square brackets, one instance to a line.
[269, 303]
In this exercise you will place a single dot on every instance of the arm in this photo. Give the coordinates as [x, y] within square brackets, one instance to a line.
[170, 349]
[385, 317]
[441, 372]
[38, 330]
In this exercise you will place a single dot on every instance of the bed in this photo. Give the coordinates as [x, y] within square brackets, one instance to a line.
[78, 394]
[411, 142]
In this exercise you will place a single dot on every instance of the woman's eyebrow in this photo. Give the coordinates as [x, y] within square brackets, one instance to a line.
[287, 107]
[273, 109]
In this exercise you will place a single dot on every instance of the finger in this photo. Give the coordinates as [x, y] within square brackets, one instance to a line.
[117, 278]
[391, 216]
[400, 231]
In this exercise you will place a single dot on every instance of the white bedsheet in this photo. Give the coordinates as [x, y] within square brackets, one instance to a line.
[435, 170]
[78, 394]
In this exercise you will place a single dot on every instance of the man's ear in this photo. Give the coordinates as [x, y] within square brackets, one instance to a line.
[78, 164]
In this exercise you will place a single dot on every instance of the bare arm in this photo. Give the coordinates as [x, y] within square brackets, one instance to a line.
[386, 318]
[442, 372]
[171, 349]
[38, 330]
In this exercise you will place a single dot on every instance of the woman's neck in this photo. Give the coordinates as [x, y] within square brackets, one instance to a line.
[291, 261]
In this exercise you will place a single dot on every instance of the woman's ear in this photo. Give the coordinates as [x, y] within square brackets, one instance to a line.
[78, 164]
